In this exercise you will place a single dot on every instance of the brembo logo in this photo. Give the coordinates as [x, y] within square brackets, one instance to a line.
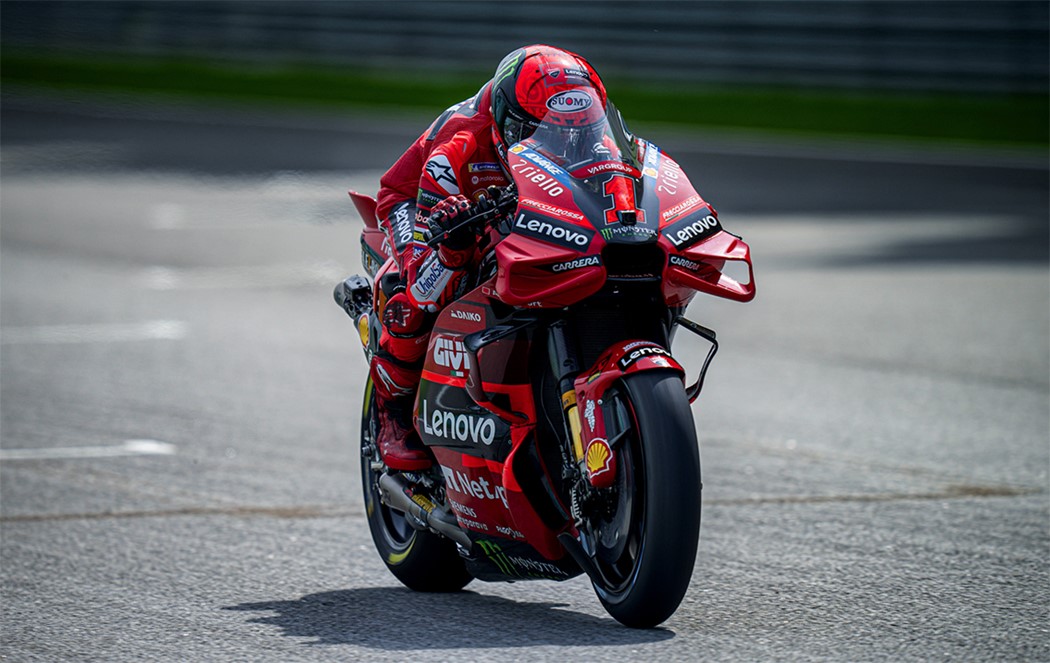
[550, 231]
[692, 230]
[570, 101]
[459, 427]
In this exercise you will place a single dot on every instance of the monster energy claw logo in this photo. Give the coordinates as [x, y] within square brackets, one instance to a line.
[506, 68]
[520, 567]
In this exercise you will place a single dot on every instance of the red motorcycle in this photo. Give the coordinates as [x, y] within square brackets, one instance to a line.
[558, 416]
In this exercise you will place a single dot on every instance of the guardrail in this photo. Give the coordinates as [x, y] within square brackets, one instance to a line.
[970, 45]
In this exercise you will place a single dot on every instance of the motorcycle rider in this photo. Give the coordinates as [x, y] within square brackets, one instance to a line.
[430, 189]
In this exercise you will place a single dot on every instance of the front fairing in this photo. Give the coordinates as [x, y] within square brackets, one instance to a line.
[603, 204]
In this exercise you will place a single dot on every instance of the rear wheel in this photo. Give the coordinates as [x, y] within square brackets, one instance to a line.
[422, 561]
[644, 538]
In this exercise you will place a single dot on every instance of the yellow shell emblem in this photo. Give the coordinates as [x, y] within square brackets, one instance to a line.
[362, 329]
[599, 457]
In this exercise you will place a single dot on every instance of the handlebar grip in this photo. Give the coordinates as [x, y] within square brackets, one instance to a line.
[465, 223]
[498, 208]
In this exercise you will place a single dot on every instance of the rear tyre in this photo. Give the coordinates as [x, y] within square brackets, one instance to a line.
[422, 561]
[645, 543]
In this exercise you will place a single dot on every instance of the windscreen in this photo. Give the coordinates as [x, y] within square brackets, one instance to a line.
[585, 140]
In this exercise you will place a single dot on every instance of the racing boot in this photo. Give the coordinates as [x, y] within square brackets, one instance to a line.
[395, 373]
[395, 390]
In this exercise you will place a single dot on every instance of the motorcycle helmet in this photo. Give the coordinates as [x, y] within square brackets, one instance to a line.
[540, 81]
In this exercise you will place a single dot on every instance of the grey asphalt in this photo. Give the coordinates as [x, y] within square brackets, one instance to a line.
[874, 432]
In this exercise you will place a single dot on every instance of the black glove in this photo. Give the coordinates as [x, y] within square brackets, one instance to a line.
[448, 214]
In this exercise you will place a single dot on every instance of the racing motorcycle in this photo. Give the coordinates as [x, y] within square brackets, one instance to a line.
[558, 417]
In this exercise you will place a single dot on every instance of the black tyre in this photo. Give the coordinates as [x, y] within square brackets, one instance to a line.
[422, 561]
[645, 543]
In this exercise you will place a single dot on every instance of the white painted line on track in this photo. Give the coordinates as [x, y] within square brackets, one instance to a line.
[168, 330]
[128, 448]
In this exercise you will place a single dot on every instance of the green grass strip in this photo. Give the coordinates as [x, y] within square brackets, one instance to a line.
[1017, 120]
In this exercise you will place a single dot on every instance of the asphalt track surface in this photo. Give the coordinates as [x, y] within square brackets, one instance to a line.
[180, 399]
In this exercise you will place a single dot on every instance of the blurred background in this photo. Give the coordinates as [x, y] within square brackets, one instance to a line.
[947, 69]
[178, 392]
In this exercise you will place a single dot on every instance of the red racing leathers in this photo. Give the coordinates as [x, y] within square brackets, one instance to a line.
[454, 156]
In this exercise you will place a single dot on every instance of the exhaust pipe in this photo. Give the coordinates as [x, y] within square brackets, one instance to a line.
[395, 494]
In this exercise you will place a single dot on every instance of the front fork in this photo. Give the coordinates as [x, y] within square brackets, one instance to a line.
[565, 366]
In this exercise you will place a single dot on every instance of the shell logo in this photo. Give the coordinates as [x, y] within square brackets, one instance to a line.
[362, 329]
[599, 457]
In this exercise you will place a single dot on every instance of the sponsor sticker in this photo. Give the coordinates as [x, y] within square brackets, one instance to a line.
[431, 281]
[570, 101]
[629, 359]
[460, 314]
[605, 167]
[402, 222]
[599, 457]
[550, 210]
[458, 427]
[544, 163]
[687, 205]
[449, 353]
[574, 72]
[572, 265]
[440, 170]
[692, 229]
[483, 167]
[543, 181]
[479, 488]
[570, 236]
[627, 231]
[684, 263]
[487, 179]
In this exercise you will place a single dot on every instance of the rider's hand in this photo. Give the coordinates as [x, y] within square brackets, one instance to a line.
[448, 214]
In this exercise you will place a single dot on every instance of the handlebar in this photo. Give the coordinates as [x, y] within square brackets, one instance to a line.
[485, 211]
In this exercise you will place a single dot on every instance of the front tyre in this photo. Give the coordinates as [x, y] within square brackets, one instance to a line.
[422, 561]
[645, 541]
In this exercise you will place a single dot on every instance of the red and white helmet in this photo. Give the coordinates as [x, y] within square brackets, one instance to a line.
[541, 83]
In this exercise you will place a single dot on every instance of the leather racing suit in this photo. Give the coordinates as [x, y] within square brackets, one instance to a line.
[455, 156]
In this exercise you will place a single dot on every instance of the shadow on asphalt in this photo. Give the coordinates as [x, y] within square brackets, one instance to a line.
[394, 618]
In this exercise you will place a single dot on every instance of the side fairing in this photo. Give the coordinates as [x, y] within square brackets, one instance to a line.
[476, 448]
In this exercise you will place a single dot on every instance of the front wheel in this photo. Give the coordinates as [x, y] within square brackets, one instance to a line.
[644, 541]
[422, 561]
